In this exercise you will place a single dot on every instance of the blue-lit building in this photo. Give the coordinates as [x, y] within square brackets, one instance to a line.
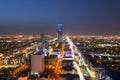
[60, 32]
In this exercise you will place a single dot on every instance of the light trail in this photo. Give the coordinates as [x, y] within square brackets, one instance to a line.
[9, 66]
[79, 71]
[83, 62]
[76, 65]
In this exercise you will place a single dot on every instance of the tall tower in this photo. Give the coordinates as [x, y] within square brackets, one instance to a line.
[60, 32]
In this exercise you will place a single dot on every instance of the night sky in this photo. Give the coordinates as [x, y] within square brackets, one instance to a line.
[100, 17]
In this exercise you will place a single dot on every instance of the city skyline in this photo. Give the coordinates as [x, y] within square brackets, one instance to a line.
[100, 17]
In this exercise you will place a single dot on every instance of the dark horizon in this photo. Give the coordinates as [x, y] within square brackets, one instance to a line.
[96, 17]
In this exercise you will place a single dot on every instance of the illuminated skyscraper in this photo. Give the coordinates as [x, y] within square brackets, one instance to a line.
[60, 32]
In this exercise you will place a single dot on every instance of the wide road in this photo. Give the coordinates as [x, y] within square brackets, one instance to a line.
[79, 69]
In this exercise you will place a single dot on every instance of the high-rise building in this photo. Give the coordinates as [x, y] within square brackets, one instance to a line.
[37, 63]
[60, 32]
[43, 37]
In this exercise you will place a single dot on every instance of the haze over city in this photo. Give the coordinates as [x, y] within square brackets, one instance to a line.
[100, 17]
[59, 40]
